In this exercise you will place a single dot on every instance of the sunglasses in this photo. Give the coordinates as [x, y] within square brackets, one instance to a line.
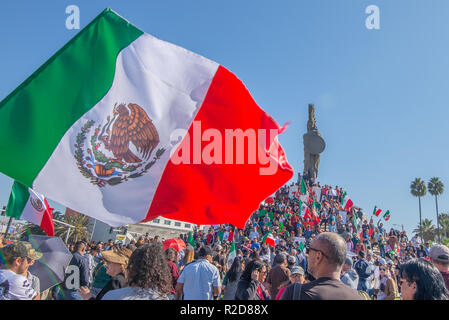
[313, 249]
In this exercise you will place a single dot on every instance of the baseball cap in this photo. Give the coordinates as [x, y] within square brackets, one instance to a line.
[382, 261]
[390, 262]
[439, 253]
[297, 270]
[362, 254]
[120, 256]
[21, 249]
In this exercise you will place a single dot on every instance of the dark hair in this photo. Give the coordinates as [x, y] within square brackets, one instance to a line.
[255, 255]
[171, 254]
[279, 259]
[250, 267]
[236, 268]
[79, 244]
[429, 281]
[148, 268]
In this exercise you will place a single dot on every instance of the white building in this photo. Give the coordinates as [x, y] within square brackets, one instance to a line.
[162, 227]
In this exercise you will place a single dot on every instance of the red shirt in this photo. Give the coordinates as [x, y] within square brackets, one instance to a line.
[174, 272]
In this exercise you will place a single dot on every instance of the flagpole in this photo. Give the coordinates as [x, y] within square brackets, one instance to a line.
[93, 230]
[7, 227]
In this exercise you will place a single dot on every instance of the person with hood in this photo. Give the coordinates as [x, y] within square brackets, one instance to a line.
[348, 275]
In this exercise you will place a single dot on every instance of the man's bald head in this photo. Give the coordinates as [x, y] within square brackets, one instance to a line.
[334, 246]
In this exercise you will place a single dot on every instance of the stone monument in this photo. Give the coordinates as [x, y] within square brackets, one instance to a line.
[313, 146]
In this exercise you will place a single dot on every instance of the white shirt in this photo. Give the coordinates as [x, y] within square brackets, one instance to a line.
[14, 286]
[253, 234]
[416, 241]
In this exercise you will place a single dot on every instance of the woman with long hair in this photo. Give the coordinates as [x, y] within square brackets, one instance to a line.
[387, 285]
[247, 288]
[421, 280]
[189, 256]
[232, 278]
[148, 276]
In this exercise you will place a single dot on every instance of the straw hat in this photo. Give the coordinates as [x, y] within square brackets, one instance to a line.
[120, 256]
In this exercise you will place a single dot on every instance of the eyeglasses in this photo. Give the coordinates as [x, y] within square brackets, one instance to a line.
[313, 249]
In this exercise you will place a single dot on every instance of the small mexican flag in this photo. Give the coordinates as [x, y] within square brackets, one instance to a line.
[342, 198]
[232, 253]
[269, 239]
[303, 188]
[347, 203]
[31, 206]
[376, 211]
[387, 215]
[305, 212]
[190, 240]
[301, 246]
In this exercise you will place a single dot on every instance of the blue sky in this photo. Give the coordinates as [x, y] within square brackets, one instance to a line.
[381, 96]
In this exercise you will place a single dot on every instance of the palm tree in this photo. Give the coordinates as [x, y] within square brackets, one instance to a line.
[427, 229]
[444, 223]
[436, 188]
[78, 232]
[418, 189]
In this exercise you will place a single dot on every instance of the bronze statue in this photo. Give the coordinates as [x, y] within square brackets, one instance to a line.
[313, 145]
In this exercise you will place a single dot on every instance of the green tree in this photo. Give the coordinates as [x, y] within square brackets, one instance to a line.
[418, 189]
[427, 229]
[444, 223]
[436, 188]
[78, 232]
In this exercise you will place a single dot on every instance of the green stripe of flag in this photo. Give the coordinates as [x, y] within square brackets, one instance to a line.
[35, 116]
[17, 200]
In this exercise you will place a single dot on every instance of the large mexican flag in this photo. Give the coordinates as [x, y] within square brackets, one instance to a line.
[124, 127]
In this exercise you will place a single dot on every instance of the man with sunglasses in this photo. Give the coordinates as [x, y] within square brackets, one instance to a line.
[14, 284]
[327, 254]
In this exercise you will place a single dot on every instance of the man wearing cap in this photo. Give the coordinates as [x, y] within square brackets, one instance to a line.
[439, 256]
[348, 275]
[200, 280]
[14, 285]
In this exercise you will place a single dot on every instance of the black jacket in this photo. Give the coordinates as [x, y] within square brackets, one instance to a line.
[247, 290]
[116, 282]
[81, 262]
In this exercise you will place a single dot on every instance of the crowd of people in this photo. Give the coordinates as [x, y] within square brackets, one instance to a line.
[283, 253]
